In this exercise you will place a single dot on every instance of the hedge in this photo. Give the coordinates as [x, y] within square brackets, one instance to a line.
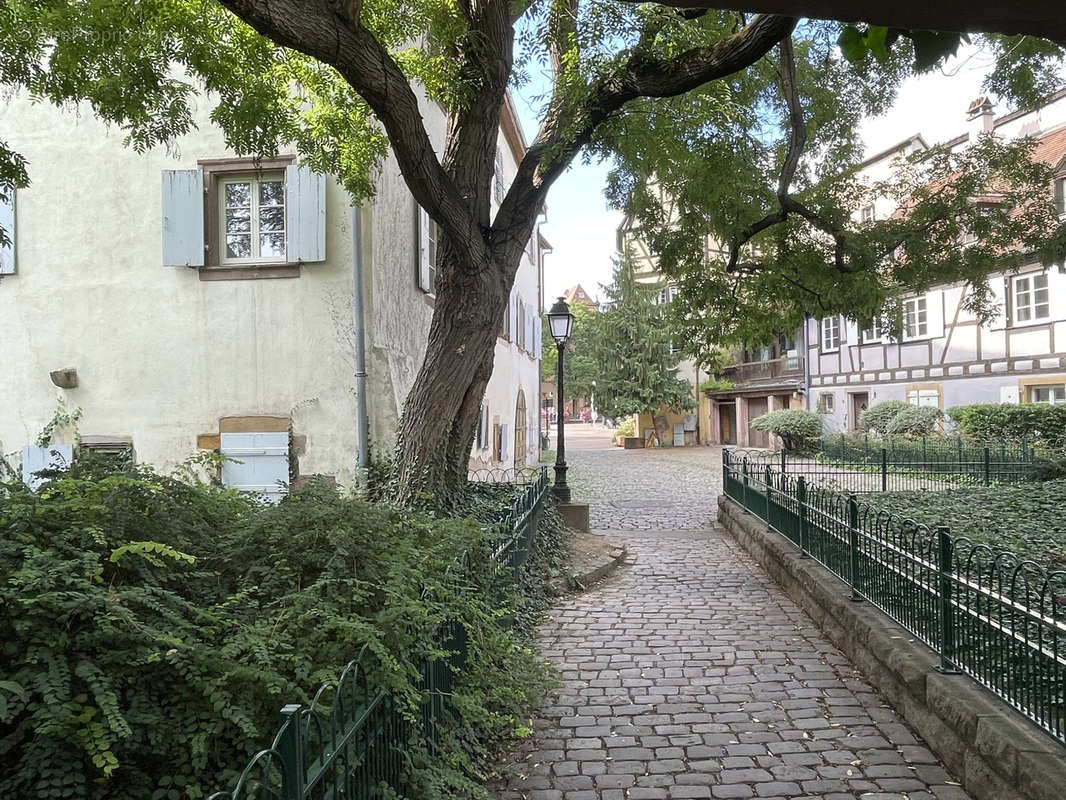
[797, 428]
[1038, 422]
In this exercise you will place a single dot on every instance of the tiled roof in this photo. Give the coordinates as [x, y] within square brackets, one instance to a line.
[1051, 147]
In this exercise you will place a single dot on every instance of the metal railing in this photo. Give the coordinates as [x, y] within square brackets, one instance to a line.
[987, 613]
[352, 740]
[762, 370]
[862, 464]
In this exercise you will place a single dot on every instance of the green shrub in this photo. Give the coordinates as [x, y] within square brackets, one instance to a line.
[797, 428]
[914, 421]
[878, 416]
[627, 427]
[993, 422]
[717, 385]
[152, 629]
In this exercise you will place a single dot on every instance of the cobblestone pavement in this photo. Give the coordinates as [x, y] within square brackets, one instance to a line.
[690, 675]
[668, 489]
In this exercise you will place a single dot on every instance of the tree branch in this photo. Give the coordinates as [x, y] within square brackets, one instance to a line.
[326, 31]
[569, 125]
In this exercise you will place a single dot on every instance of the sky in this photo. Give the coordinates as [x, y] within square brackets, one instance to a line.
[582, 229]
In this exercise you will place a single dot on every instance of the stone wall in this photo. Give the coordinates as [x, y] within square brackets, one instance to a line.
[995, 751]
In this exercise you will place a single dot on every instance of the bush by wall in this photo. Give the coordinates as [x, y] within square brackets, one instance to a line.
[153, 628]
[993, 422]
[878, 416]
[627, 427]
[797, 428]
[914, 421]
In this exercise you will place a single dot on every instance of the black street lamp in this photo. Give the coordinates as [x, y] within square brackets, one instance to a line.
[561, 324]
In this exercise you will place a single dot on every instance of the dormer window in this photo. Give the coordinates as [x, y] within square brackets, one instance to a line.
[1060, 196]
[868, 214]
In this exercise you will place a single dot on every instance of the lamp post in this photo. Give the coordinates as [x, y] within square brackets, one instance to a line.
[561, 324]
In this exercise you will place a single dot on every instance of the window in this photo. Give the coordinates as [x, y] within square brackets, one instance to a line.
[873, 332]
[1052, 394]
[830, 334]
[252, 218]
[257, 463]
[497, 177]
[260, 219]
[915, 318]
[1031, 300]
[7, 224]
[1060, 196]
[826, 403]
[924, 397]
[428, 238]
[868, 213]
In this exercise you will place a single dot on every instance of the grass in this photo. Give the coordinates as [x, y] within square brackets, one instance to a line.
[1026, 518]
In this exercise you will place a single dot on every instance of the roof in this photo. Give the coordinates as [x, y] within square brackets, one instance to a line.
[577, 294]
[916, 139]
[1051, 148]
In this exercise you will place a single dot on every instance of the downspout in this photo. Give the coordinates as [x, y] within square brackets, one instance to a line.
[806, 362]
[362, 419]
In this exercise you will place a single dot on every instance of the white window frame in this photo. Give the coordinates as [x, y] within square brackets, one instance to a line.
[1032, 306]
[827, 403]
[874, 333]
[431, 255]
[868, 213]
[1051, 388]
[831, 333]
[918, 328]
[253, 179]
[921, 397]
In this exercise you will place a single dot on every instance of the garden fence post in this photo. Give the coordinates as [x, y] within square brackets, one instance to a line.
[947, 615]
[843, 453]
[1025, 450]
[801, 499]
[290, 746]
[988, 466]
[853, 547]
[925, 456]
[769, 491]
[884, 470]
[744, 465]
[784, 462]
[866, 447]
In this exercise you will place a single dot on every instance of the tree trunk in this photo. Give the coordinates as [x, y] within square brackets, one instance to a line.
[442, 410]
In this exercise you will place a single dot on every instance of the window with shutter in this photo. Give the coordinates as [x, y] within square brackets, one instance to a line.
[37, 459]
[428, 236]
[497, 176]
[257, 463]
[830, 334]
[260, 219]
[1060, 196]
[7, 227]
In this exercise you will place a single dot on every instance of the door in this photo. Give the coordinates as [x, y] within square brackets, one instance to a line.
[860, 401]
[520, 431]
[727, 420]
[757, 406]
[679, 434]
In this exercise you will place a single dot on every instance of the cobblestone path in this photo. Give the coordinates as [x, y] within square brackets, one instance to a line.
[691, 675]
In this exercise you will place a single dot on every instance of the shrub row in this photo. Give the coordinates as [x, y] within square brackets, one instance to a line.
[1038, 422]
[153, 628]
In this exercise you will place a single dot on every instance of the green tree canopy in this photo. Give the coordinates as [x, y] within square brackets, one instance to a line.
[580, 368]
[636, 362]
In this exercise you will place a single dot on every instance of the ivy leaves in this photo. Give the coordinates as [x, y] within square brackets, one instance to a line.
[930, 47]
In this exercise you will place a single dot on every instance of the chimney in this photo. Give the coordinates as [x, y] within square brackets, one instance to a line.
[979, 117]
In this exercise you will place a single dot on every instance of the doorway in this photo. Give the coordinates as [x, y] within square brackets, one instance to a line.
[860, 401]
[757, 406]
[727, 422]
[520, 431]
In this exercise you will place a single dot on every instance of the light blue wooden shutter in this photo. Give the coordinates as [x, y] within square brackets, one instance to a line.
[425, 279]
[505, 448]
[305, 214]
[264, 463]
[7, 224]
[513, 311]
[183, 218]
[538, 333]
[35, 459]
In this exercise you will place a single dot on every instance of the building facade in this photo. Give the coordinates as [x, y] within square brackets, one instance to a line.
[191, 300]
[944, 357]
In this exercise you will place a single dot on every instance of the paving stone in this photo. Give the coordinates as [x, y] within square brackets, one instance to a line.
[689, 674]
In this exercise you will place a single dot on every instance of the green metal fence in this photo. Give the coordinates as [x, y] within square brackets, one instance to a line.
[351, 741]
[862, 464]
[988, 614]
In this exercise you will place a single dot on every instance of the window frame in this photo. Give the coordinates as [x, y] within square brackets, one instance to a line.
[219, 169]
[868, 214]
[1052, 387]
[823, 334]
[827, 403]
[876, 330]
[1031, 293]
[254, 181]
[921, 319]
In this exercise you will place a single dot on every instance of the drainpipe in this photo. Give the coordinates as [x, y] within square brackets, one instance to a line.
[806, 362]
[362, 420]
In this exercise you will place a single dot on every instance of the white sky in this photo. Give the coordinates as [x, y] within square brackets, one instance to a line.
[582, 229]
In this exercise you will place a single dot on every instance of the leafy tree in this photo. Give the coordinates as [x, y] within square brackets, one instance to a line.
[340, 80]
[580, 366]
[637, 368]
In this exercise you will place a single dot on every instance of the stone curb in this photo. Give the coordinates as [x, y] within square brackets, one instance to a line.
[601, 570]
[998, 753]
